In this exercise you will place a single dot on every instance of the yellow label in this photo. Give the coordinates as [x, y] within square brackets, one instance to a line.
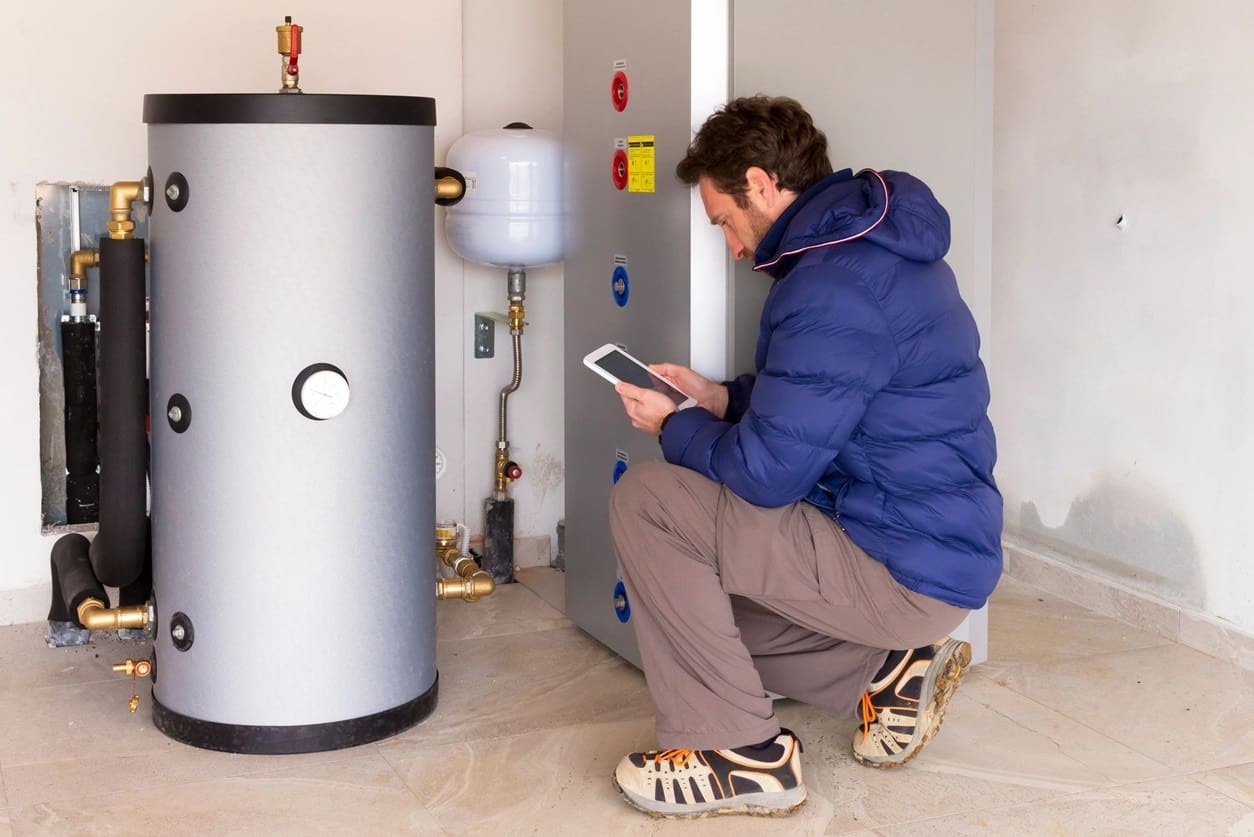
[641, 163]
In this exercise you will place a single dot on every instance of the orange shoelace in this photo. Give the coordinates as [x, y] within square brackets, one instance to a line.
[679, 758]
[869, 716]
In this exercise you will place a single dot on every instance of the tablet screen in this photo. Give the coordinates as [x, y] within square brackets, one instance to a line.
[626, 369]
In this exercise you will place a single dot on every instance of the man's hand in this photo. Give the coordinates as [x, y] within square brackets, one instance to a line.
[645, 407]
[709, 395]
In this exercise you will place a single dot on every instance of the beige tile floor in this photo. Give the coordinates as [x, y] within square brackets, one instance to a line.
[1078, 725]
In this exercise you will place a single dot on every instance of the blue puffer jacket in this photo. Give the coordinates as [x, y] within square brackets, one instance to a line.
[870, 399]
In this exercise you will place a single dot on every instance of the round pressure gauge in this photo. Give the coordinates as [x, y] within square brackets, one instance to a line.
[320, 392]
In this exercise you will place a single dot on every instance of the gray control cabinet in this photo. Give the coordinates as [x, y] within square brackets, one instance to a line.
[628, 263]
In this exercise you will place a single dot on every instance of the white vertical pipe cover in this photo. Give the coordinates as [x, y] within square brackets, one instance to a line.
[708, 259]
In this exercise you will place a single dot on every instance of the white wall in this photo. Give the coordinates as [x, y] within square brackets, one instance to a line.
[62, 117]
[925, 110]
[1124, 382]
[512, 72]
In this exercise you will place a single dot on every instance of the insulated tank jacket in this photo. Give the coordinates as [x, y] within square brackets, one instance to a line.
[870, 400]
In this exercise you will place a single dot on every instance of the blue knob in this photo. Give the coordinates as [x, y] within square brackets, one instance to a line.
[622, 607]
[620, 284]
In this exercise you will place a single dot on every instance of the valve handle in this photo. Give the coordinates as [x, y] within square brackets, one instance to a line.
[512, 470]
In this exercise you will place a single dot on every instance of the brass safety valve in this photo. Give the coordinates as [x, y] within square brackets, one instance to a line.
[289, 47]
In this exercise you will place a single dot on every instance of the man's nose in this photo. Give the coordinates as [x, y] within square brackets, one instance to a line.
[737, 249]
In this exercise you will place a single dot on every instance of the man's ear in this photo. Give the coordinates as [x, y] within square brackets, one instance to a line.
[763, 190]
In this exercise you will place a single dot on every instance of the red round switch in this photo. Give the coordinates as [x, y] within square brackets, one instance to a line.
[619, 170]
[619, 91]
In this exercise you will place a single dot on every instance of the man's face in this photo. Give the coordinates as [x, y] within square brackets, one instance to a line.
[743, 227]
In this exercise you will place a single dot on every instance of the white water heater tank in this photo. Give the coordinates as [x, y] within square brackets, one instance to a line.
[511, 215]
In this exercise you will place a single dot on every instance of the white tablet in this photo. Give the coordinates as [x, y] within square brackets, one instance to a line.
[614, 365]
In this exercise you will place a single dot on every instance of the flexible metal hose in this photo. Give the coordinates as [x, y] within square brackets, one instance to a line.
[514, 384]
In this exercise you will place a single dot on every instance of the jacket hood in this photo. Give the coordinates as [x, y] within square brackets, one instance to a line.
[893, 210]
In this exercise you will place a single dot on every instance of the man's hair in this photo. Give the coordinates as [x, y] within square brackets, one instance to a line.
[774, 134]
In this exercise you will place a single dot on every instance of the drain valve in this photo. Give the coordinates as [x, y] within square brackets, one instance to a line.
[134, 669]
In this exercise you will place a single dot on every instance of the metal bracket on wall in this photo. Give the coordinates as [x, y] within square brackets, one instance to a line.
[485, 332]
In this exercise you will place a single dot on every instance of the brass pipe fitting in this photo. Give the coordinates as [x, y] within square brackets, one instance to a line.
[516, 315]
[472, 582]
[502, 461]
[94, 616]
[448, 553]
[81, 261]
[463, 565]
[449, 189]
[139, 668]
[476, 586]
[121, 195]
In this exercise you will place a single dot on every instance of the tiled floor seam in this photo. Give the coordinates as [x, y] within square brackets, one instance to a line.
[8, 693]
[1162, 642]
[1198, 775]
[226, 777]
[1027, 803]
[392, 766]
[507, 736]
[1030, 699]
[1062, 797]
[1080, 721]
[527, 631]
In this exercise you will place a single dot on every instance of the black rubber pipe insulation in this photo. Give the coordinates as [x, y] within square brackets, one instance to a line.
[120, 550]
[78, 363]
[72, 579]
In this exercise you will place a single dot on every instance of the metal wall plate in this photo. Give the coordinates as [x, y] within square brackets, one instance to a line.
[485, 332]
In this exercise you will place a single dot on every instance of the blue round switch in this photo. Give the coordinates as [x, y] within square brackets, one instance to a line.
[622, 607]
[620, 284]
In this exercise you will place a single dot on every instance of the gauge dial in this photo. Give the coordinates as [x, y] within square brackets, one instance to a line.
[321, 392]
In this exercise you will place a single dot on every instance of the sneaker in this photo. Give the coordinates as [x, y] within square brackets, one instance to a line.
[905, 705]
[698, 783]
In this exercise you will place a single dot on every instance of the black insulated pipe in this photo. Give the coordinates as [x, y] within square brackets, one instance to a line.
[120, 550]
[78, 362]
[498, 540]
[139, 591]
[72, 579]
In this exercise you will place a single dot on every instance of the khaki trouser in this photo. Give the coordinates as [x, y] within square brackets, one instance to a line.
[730, 601]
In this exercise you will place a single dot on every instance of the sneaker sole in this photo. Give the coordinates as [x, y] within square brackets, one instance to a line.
[941, 686]
[780, 804]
